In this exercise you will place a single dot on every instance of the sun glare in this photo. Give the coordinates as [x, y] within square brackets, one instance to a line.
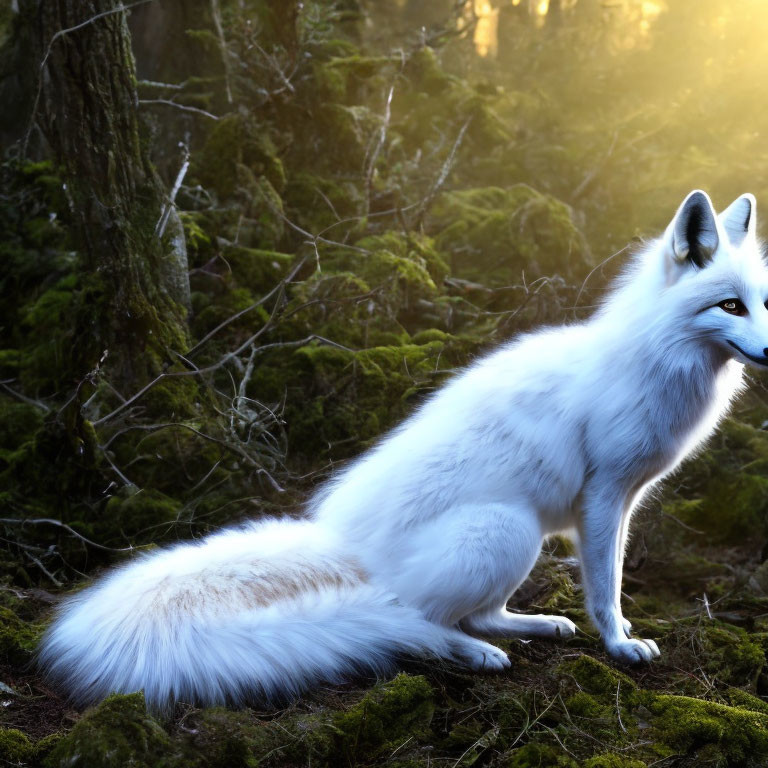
[634, 20]
[486, 36]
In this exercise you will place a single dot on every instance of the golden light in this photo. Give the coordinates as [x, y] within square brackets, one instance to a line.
[650, 9]
[486, 37]
[542, 7]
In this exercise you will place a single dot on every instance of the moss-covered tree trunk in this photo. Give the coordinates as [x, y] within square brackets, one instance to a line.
[135, 281]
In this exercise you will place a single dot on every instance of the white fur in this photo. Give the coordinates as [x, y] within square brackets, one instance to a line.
[423, 539]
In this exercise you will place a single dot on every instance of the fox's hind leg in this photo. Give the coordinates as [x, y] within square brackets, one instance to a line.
[468, 560]
[463, 568]
[505, 623]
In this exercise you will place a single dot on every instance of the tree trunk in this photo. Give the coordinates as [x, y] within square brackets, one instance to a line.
[135, 282]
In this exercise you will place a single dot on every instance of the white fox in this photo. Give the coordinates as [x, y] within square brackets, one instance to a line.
[416, 547]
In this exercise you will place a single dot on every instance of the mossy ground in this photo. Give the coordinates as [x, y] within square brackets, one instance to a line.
[347, 253]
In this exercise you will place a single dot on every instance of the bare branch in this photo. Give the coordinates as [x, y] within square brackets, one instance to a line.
[24, 398]
[162, 222]
[68, 529]
[182, 107]
[443, 175]
[279, 287]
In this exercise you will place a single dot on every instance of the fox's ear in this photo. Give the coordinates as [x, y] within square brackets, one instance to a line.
[692, 235]
[738, 219]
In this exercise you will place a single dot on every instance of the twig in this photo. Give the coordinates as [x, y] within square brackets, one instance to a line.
[211, 368]
[280, 286]
[112, 464]
[162, 222]
[24, 398]
[183, 107]
[38, 563]
[216, 14]
[594, 269]
[590, 177]
[377, 149]
[444, 171]
[314, 239]
[618, 707]
[161, 86]
[276, 67]
[376, 214]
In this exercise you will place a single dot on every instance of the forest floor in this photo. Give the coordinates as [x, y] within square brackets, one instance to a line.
[560, 704]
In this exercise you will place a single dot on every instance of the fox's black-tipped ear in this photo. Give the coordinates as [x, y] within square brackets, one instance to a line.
[739, 219]
[693, 232]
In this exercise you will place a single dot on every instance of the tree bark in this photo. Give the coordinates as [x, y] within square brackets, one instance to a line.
[135, 282]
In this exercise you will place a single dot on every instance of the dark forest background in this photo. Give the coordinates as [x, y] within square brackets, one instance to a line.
[241, 239]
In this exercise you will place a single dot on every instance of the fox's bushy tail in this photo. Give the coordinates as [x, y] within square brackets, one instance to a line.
[253, 615]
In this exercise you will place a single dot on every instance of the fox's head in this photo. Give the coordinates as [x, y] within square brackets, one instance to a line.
[714, 269]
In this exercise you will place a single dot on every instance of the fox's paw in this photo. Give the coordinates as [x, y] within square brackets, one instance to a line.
[562, 628]
[627, 626]
[633, 651]
[483, 657]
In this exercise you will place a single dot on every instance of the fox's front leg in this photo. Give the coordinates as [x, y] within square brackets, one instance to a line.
[602, 532]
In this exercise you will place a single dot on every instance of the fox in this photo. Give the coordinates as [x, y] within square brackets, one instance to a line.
[415, 548]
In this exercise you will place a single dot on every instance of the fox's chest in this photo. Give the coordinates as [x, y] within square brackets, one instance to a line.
[677, 419]
[648, 426]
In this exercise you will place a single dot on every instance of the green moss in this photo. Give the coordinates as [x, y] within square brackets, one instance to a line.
[728, 486]
[725, 735]
[18, 638]
[347, 130]
[612, 760]
[493, 234]
[48, 320]
[560, 592]
[739, 698]
[404, 274]
[318, 202]
[174, 398]
[212, 310]
[431, 334]
[426, 74]
[733, 508]
[344, 397]
[237, 140]
[386, 716]
[415, 247]
[732, 655]
[256, 269]
[15, 747]
[196, 238]
[538, 756]
[118, 733]
[18, 423]
[136, 511]
[597, 678]
[728, 654]
[346, 80]
[220, 738]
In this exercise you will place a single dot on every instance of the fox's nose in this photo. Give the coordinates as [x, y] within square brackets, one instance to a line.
[765, 351]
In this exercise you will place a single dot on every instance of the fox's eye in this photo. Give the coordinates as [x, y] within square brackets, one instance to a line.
[733, 307]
